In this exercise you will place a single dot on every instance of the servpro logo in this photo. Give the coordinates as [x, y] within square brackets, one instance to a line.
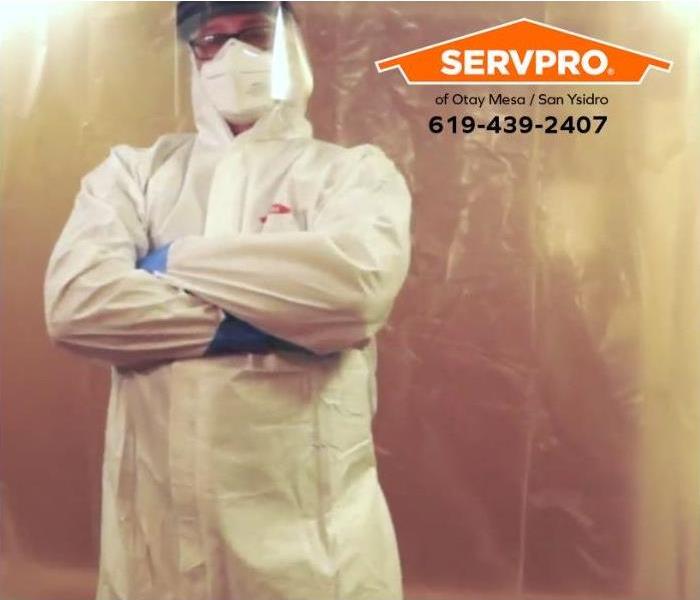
[523, 52]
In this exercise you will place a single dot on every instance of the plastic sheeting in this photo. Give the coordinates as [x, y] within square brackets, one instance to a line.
[538, 430]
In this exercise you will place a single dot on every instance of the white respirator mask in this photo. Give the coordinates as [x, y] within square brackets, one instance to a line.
[237, 81]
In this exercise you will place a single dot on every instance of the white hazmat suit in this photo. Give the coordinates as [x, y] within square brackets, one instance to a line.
[241, 476]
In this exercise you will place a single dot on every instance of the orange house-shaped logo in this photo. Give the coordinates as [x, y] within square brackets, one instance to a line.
[523, 52]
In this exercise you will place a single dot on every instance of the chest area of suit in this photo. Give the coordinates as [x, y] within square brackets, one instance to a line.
[256, 189]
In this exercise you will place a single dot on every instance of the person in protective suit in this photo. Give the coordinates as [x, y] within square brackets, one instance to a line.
[235, 278]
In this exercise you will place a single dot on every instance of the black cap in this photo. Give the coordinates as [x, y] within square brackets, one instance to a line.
[191, 15]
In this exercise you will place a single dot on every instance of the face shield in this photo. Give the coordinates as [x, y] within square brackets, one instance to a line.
[249, 57]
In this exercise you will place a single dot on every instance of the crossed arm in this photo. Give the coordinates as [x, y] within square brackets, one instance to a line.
[323, 290]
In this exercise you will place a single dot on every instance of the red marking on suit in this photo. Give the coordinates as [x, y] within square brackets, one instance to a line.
[276, 209]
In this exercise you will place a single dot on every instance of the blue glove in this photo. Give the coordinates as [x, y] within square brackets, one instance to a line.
[235, 335]
[156, 260]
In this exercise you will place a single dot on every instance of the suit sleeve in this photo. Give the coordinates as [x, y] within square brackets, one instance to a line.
[96, 302]
[325, 289]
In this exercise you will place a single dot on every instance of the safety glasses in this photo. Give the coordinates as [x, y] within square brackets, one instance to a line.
[206, 46]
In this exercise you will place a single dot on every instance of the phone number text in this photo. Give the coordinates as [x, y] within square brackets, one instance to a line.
[523, 124]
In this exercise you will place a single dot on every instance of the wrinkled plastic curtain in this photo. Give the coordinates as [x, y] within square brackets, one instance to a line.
[538, 432]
